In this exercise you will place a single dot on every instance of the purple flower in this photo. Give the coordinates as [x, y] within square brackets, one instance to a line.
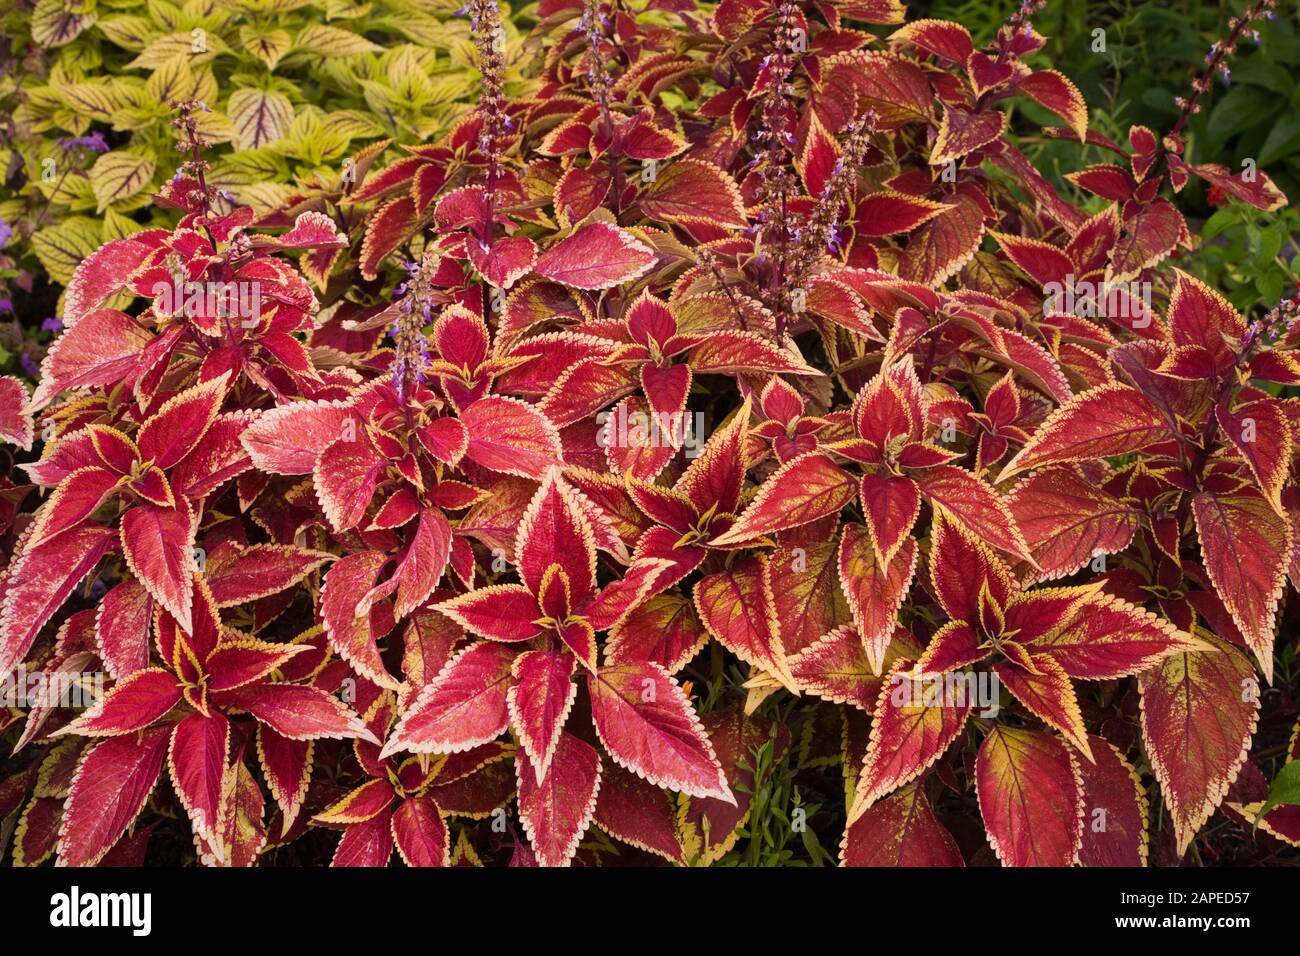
[6, 231]
[52, 324]
[29, 366]
[7, 305]
[94, 142]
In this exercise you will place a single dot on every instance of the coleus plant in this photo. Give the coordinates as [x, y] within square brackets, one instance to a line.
[988, 520]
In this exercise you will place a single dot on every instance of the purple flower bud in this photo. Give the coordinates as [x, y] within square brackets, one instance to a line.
[29, 366]
[52, 324]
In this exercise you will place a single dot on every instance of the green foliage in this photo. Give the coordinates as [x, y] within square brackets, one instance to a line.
[293, 87]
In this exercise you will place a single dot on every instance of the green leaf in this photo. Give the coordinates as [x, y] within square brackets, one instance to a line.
[1285, 789]
[60, 248]
[56, 22]
[333, 41]
[119, 175]
[260, 116]
[1283, 140]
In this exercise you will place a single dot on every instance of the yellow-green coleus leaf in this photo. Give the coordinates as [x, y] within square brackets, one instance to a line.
[119, 175]
[60, 248]
[259, 116]
[56, 22]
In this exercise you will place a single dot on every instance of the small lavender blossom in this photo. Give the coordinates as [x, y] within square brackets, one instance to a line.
[93, 142]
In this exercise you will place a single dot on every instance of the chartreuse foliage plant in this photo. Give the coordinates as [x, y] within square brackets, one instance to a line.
[730, 449]
[292, 88]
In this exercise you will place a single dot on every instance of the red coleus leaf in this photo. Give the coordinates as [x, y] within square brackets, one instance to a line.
[104, 348]
[1102, 422]
[727, 351]
[875, 590]
[464, 706]
[510, 436]
[1069, 521]
[112, 783]
[944, 244]
[1150, 234]
[16, 424]
[502, 612]
[179, 425]
[286, 765]
[345, 478]
[800, 492]
[942, 38]
[1103, 638]
[539, 703]
[505, 261]
[1252, 186]
[239, 661]
[1246, 549]
[197, 762]
[1201, 318]
[890, 506]
[1261, 435]
[364, 803]
[555, 533]
[649, 727]
[963, 131]
[299, 712]
[349, 622]
[391, 223]
[426, 558]
[287, 440]
[835, 667]
[420, 834]
[76, 498]
[557, 806]
[739, 610]
[693, 191]
[1199, 711]
[665, 630]
[806, 593]
[135, 702]
[104, 272]
[39, 580]
[368, 844]
[900, 830]
[887, 213]
[122, 628]
[913, 724]
[159, 547]
[637, 813]
[237, 574]
[1030, 796]
[218, 458]
[1115, 809]
[1052, 90]
[973, 504]
[597, 256]
[1048, 694]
